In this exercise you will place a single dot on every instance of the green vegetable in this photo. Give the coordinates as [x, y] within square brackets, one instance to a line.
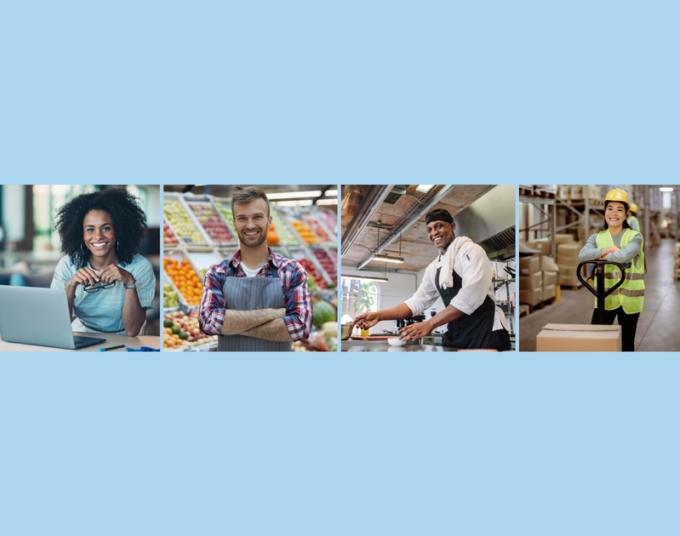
[322, 312]
[167, 323]
[175, 329]
[183, 335]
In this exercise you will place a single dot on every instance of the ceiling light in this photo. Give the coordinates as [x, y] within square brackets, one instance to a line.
[294, 195]
[331, 193]
[666, 189]
[327, 202]
[388, 258]
[424, 188]
[298, 203]
[374, 279]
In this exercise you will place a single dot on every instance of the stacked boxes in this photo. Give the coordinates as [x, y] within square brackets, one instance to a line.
[530, 280]
[567, 260]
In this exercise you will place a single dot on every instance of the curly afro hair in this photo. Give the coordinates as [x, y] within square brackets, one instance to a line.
[129, 223]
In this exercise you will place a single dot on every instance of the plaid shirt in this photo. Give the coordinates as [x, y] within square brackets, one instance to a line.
[298, 317]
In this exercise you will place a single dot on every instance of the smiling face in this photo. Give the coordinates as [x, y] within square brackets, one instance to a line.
[251, 221]
[615, 214]
[440, 234]
[99, 235]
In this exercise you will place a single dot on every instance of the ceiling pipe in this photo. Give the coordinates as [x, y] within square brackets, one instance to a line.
[372, 201]
[433, 197]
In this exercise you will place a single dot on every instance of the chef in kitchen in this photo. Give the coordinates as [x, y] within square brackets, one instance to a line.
[257, 300]
[461, 276]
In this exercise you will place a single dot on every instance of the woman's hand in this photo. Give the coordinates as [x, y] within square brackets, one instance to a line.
[114, 273]
[84, 276]
[604, 252]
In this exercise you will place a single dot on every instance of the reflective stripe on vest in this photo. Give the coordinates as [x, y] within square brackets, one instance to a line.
[630, 295]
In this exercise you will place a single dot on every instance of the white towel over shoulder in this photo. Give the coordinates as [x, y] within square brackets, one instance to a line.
[448, 260]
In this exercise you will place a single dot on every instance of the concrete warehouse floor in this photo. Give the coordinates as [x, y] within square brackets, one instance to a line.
[657, 328]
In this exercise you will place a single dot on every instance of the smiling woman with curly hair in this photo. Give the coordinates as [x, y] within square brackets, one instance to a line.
[107, 282]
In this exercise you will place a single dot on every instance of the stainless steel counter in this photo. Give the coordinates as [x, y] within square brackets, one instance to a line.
[383, 346]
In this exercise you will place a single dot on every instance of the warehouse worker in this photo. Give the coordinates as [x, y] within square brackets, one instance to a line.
[461, 276]
[257, 300]
[632, 220]
[617, 242]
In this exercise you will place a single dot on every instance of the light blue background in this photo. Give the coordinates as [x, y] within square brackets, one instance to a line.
[296, 92]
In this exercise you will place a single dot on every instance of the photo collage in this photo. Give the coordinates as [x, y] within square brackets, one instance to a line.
[342, 267]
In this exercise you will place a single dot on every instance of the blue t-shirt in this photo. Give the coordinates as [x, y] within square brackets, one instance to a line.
[103, 310]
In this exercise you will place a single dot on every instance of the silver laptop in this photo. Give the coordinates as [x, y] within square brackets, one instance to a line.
[38, 316]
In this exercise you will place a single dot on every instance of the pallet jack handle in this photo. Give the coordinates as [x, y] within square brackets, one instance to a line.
[600, 292]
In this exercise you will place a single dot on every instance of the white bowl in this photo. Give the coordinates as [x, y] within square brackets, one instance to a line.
[395, 341]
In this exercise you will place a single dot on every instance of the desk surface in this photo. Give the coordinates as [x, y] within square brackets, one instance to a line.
[111, 340]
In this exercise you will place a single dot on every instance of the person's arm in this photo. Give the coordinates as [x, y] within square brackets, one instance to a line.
[422, 329]
[133, 315]
[628, 253]
[298, 318]
[590, 251]
[247, 322]
[370, 319]
[475, 271]
[273, 330]
[212, 308]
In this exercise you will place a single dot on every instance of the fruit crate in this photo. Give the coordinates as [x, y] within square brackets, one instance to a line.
[326, 259]
[170, 239]
[222, 206]
[287, 236]
[179, 271]
[181, 333]
[212, 223]
[315, 220]
[201, 261]
[312, 265]
[183, 222]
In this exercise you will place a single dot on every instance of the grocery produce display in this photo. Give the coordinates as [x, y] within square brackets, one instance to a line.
[285, 235]
[181, 332]
[317, 228]
[211, 221]
[327, 263]
[312, 272]
[304, 231]
[170, 298]
[185, 279]
[181, 223]
[169, 238]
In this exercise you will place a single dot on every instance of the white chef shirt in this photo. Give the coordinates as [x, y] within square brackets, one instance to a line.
[474, 268]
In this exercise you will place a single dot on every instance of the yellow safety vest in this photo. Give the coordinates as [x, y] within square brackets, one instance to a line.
[630, 295]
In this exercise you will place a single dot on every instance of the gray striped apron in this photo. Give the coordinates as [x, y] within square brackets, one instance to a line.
[247, 294]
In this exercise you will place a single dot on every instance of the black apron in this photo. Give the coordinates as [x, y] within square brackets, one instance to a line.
[474, 330]
[249, 293]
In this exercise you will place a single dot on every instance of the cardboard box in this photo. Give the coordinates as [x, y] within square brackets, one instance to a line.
[531, 297]
[548, 264]
[579, 338]
[543, 245]
[563, 238]
[577, 192]
[529, 265]
[568, 278]
[548, 292]
[531, 282]
[567, 252]
[549, 278]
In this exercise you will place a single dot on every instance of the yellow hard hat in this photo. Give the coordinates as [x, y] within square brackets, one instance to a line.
[634, 208]
[617, 194]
